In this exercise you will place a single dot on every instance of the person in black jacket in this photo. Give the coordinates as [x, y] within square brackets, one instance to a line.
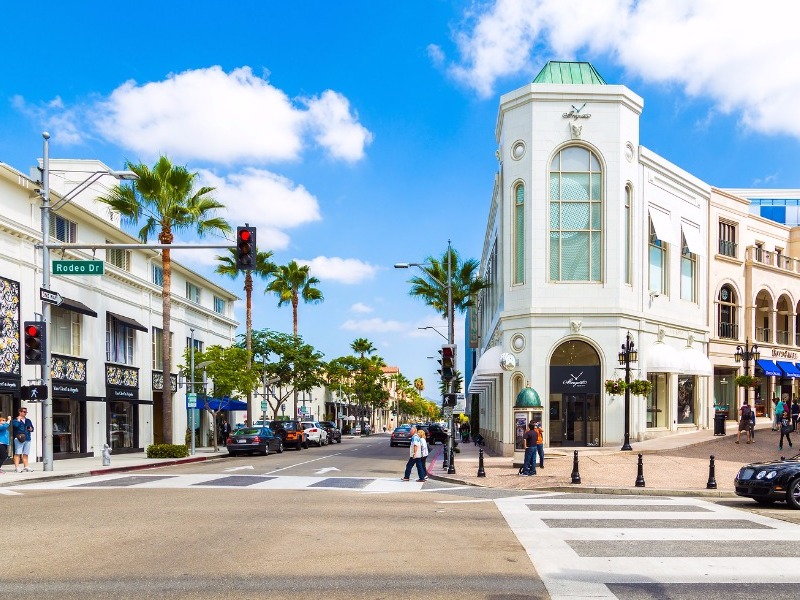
[225, 429]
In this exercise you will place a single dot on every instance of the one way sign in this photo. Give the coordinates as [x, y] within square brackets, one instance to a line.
[50, 297]
[33, 392]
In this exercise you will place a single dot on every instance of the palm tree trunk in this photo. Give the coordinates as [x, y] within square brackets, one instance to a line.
[248, 289]
[295, 301]
[166, 347]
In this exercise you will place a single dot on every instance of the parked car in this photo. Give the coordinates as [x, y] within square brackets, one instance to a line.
[401, 436]
[334, 433]
[254, 439]
[435, 433]
[291, 432]
[315, 432]
[768, 482]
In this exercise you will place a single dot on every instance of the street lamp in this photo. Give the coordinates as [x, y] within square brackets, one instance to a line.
[626, 357]
[47, 405]
[436, 330]
[745, 355]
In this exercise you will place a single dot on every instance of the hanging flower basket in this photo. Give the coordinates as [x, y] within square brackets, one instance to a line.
[747, 381]
[615, 387]
[640, 387]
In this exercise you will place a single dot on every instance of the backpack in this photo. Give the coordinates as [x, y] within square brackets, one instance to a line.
[745, 411]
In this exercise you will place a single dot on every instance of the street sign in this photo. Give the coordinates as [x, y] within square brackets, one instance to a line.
[77, 267]
[32, 393]
[448, 412]
[50, 297]
[191, 400]
[263, 405]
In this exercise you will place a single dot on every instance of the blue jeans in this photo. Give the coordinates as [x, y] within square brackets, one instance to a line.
[540, 452]
[529, 465]
[410, 465]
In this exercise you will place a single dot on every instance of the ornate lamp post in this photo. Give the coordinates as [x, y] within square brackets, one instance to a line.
[626, 357]
[745, 355]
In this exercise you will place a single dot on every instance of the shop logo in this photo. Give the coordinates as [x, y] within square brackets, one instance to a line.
[576, 114]
[575, 380]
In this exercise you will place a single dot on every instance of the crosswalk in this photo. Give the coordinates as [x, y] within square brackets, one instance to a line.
[595, 546]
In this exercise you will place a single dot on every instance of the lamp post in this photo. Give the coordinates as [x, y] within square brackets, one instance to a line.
[47, 405]
[745, 355]
[626, 357]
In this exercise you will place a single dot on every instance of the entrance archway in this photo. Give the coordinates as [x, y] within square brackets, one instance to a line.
[574, 408]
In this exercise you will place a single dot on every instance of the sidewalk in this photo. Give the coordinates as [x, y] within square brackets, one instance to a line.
[676, 465]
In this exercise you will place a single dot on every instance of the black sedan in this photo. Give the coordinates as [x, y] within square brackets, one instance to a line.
[334, 433]
[254, 439]
[768, 482]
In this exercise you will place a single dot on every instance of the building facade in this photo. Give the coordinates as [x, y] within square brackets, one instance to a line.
[106, 371]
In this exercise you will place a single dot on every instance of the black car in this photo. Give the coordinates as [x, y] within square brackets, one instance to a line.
[768, 482]
[254, 439]
[334, 433]
[401, 436]
[434, 433]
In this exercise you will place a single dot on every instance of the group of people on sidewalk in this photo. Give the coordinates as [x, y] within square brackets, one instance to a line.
[785, 422]
[418, 455]
[16, 431]
[534, 445]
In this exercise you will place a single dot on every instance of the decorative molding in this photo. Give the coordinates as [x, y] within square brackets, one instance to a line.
[122, 376]
[9, 327]
[158, 381]
[575, 326]
[67, 368]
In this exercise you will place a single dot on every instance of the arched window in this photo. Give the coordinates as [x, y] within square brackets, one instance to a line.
[519, 234]
[627, 267]
[657, 263]
[726, 313]
[688, 272]
[576, 207]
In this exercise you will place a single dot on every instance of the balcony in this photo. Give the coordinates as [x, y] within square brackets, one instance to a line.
[763, 334]
[782, 337]
[728, 331]
[728, 248]
[757, 255]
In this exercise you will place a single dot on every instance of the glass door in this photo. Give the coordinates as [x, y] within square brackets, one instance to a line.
[573, 419]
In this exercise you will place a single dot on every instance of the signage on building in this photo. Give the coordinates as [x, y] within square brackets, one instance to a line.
[575, 380]
[50, 297]
[71, 391]
[575, 113]
[77, 267]
[784, 354]
[121, 393]
[191, 400]
[9, 385]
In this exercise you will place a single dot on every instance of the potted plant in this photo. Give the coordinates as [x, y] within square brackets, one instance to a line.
[747, 380]
[615, 387]
[640, 387]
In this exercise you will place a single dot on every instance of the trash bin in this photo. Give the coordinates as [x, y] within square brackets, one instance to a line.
[719, 422]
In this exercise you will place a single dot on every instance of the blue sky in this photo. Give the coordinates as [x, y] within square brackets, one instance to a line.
[358, 134]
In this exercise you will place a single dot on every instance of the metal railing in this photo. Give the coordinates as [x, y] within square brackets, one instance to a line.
[728, 248]
[763, 334]
[728, 331]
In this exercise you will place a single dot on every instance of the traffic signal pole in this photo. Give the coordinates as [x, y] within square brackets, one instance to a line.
[47, 404]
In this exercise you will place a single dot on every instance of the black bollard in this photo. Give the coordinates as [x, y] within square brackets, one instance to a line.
[445, 457]
[481, 472]
[576, 476]
[640, 474]
[452, 469]
[712, 480]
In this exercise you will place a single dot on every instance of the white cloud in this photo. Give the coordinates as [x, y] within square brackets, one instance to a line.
[208, 114]
[360, 307]
[342, 270]
[374, 325]
[737, 54]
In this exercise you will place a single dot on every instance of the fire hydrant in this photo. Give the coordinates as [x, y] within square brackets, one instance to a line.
[106, 455]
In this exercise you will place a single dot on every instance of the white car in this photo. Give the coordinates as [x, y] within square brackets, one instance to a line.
[315, 433]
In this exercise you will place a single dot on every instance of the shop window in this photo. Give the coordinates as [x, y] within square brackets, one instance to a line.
[66, 426]
[686, 400]
[121, 425]
[657, 401]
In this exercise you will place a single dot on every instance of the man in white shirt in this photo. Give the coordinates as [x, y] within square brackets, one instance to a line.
[415, 453]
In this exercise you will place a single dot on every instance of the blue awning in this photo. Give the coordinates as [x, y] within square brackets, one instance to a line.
[219, 403]
[769, 368]
[789, 370]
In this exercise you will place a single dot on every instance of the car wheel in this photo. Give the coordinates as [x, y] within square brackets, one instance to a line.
[280, 447]
[265, 451]
[793, 494]
[391, 445]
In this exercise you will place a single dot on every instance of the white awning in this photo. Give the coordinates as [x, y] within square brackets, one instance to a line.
[694, 362]
[662, 358]
[693, 239]
[488, 368]
[662, 223]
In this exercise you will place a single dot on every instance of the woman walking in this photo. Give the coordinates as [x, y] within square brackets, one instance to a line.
[5, 425]
[423, 461]
[786, 430]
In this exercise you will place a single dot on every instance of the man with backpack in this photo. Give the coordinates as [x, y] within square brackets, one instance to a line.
[745, 419]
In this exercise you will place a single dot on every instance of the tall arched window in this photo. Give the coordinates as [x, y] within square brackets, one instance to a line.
[688, 272]
[627, 267]
[726, 313]
[519, 234]
[576, 206]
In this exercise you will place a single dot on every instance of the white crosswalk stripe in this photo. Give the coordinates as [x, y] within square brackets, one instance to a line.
[582, 545]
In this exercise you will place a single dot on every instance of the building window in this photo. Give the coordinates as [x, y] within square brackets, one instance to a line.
[158, 348]
[759, 252]
[657, 401]
[63, 229]
[156, 274]
[688, 273]
[627, 267]
[519, 234]
[727, 239]
[119, 342]
[193, 292]
[686, 400]
[726, 313]
[219, 305]
[198, 345]
[65, 331]
[119, 257]
[658, 263]
[576, 205]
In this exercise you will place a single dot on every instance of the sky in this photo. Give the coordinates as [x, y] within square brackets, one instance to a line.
[358, 134]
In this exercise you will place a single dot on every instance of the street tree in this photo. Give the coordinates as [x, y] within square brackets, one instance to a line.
[362, 346]
[167, 200]
[290, 283]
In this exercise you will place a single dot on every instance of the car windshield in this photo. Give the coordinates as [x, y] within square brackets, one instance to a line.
[287, 425]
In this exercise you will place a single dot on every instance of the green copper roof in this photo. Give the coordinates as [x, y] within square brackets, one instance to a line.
[569, 72]
[527, 398]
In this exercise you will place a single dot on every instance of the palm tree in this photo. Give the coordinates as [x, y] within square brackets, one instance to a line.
[419, 384]
[290, 283]
[263, 269]
[362, 346]
[166, 200]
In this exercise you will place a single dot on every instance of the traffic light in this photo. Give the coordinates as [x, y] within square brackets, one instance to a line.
[448, 362]
[449, 400]
[245, 248]
[33, 392]
[34, 342]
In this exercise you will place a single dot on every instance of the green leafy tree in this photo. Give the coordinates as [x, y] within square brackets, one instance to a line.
[167, 200]
[290, 283]
[362, 346]
[264, 268]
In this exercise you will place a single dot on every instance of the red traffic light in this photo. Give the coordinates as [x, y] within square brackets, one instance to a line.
[32, 331]
[245, 235]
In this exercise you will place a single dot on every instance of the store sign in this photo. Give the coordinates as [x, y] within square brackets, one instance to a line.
[575, 380]
[9, 385]
[121, 393]
[575, 113]
[784, 354]
[70, 391]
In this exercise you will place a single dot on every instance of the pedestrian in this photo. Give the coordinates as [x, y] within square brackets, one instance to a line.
[415, 453]
[786, 430]
[5, 426]
[22, 440]
[226, 431]
[752, 425]
[423, 454]
[795, 414]
[539, 443]
[744, 421]
[529, 441]
[780, 407]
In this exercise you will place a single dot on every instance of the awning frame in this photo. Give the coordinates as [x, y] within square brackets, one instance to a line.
[662, 223]
[75, 306]
[769, 367]
[132, 323]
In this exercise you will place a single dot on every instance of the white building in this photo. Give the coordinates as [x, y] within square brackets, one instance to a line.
[105, 337]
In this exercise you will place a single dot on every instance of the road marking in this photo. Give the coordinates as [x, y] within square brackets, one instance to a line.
[325, 470]
[4, 492]
[239, 468]
[302, 463]
[463, 501]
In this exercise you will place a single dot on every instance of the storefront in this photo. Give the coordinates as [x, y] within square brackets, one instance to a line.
[574, 407]
[122, 408]
[765, 394]
[9, 347]
[69, 407]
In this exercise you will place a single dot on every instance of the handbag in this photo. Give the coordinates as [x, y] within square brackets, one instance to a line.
[21, 438]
